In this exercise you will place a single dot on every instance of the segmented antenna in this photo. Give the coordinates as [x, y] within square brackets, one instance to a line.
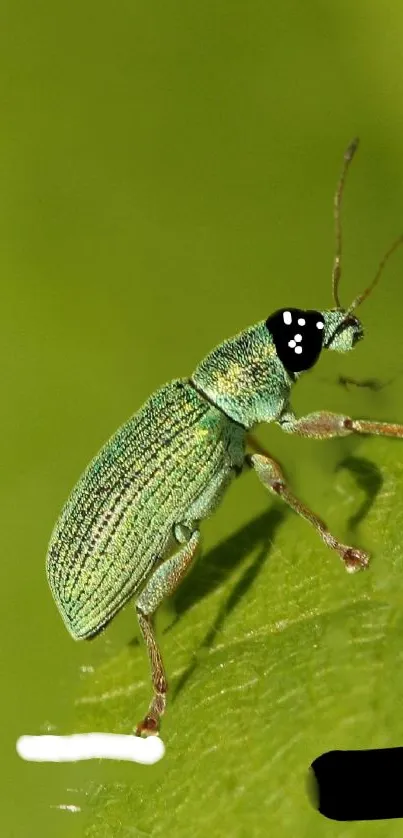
[363, 296]
[336, 273]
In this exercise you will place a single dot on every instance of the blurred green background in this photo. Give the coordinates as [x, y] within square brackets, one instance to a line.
[166, 178]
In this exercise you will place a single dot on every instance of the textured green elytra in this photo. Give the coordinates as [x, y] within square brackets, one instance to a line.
[119, 520]
[130, 528]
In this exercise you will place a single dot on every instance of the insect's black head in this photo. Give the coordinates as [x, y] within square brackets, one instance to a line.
[297, 336]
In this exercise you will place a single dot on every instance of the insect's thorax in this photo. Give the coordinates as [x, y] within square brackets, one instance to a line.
[245, 378]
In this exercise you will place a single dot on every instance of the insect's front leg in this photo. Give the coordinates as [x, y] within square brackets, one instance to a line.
[325, 425]
[271, 475]
[161, 584]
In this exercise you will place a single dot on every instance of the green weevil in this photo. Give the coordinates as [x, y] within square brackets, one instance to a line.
[131, 524]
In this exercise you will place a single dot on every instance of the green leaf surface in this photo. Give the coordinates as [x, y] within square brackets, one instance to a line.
[275, 655]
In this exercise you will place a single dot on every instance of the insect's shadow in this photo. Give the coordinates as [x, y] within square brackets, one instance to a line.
[218, 564]
[215, 567]
[221, 561]
[373, 384]
[368, 478]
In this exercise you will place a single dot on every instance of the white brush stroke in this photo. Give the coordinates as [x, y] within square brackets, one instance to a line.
[79, 746]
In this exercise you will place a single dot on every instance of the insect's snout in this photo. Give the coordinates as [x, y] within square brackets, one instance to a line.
[355, 328]
[343, 330]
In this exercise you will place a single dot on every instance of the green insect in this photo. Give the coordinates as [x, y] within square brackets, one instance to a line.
[131, 525]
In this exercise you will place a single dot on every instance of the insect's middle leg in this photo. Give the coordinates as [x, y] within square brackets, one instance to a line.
[161, 584]
[271, 475]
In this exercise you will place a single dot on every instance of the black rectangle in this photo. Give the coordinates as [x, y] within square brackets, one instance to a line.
[359, 785]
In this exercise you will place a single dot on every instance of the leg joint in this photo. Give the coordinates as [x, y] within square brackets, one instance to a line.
[182, 534]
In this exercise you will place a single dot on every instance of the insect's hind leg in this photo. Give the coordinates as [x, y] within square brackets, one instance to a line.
[271, 475]
[161, 584]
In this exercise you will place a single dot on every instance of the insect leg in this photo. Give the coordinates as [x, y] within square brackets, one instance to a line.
[271, 475]
[163, 582]
[324, 425]
[256, 446]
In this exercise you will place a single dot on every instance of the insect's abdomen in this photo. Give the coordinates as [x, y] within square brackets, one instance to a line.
[118, 520]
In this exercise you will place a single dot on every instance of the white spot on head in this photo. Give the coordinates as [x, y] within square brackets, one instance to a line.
[301, 321]
[298, 350]
[320, 325]
[298, 338]
[291, 344]
[287, 317]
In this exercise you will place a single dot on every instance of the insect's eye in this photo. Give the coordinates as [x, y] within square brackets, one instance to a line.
[297, 336]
